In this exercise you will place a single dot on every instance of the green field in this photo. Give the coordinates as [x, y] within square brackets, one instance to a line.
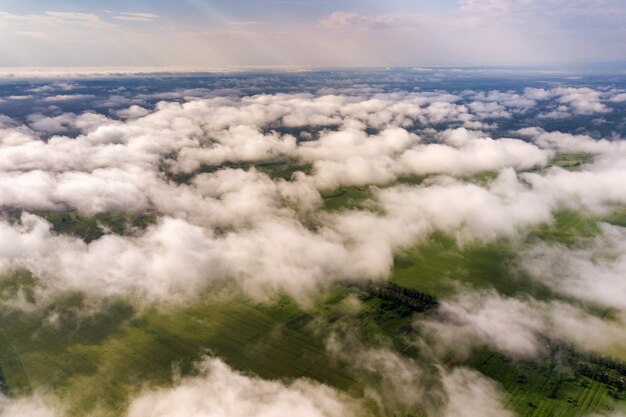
[96, 361]
[437, 266]
[546, 387]
[90, 228]
[349, 198]
[571, 161]
[275, 169]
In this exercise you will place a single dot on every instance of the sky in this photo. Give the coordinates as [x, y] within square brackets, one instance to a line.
[310, 33]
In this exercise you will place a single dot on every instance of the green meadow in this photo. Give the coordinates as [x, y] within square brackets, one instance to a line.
[97, 356]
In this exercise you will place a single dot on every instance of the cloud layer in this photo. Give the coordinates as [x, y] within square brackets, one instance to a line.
[242, 224]
[241, 188]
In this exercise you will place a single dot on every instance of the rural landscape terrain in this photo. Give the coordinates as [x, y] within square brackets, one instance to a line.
[405, 242]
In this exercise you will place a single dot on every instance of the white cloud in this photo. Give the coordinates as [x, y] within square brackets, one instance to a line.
[582, 100]
[56, 124]
[618, 98]
[549, 7]
[21, 97]
[593, 274]
[135, 17]
[89, 20]
[520, 327]
[115, 165]
[467, 153]
[133, 112]
[34, 406]
[218, 391]
[393, 381]
[506, 324]
[470, 394]
[7, 122]
[67, 97]
[382, 21]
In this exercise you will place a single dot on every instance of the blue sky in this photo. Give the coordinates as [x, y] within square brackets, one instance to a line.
[225, 33]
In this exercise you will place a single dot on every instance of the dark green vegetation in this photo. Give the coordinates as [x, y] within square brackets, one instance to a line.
[99, 359]
[94, 356]
[400, 298]
[275, 169]
[553, 386]
[90, 228]
[570, 228]
[433, 266]
[349, 198]
[571, 161]
[483, 178]
[437, 267]
[616, 218]
[304, 133]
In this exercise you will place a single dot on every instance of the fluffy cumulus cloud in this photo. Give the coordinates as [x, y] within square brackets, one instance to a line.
[618, 97]
[34, 406]
[559, 102]
[472, 395]
[509, 325]
[269, 233]
[593, 274]
[215, 390]
[521, 327]
[176, 259]
[218, 391]
[393, 380]
[581, 100]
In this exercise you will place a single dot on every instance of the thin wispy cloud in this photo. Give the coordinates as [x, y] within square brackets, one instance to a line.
[135, 17]
[247, 22]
